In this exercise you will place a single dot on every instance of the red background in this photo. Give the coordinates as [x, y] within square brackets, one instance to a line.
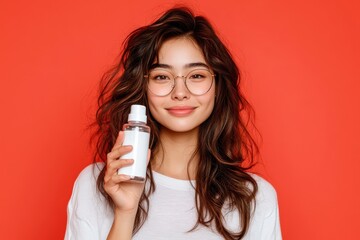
[300, 62]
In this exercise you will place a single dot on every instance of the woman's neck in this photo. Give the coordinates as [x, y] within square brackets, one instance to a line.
[176, 153]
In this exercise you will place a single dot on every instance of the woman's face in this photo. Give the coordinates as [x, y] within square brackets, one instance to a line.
[180, 110]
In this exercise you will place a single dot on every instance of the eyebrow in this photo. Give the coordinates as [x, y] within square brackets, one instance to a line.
[189, 65]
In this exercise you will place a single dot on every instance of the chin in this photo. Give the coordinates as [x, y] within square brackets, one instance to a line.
[181, 129]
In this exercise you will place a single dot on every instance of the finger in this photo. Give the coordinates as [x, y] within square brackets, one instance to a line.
[116, 153]
[119, 140]
[117, 148]
[115, 179]
[113, 167]
[120, 163]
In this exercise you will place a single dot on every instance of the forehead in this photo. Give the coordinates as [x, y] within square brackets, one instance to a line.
[180, 52]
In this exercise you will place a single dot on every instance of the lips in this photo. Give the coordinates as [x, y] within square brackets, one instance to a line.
[181, 111]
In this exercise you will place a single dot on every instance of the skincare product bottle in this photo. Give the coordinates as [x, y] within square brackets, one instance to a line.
[136, 134]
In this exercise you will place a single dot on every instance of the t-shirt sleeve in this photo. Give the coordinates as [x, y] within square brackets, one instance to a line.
[271, 230]
[81, 211]
[268, 206]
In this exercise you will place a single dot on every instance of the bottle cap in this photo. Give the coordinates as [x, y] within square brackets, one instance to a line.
[137, 114]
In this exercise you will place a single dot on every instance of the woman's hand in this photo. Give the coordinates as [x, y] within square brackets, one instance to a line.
[125, 194]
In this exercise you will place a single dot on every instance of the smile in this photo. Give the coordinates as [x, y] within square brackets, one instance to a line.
[181, 111]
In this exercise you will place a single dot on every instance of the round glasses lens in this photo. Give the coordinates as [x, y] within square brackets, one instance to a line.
[199, 81]
[160, 82]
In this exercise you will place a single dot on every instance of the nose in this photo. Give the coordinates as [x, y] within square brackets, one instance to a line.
[180, 91]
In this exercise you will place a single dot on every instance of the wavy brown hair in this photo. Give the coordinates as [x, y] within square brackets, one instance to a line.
[225, 147]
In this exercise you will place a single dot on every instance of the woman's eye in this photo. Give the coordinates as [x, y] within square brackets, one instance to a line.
[161, 77]
[197, 76]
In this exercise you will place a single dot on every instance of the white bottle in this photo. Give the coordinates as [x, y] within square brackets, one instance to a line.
[136, 134]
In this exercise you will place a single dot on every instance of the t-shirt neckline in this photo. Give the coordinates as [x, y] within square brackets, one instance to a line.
[173, 183]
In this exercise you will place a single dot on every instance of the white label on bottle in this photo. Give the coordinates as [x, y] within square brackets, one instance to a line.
[140, 143]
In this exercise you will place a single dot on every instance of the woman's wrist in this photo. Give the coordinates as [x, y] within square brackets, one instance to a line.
[124, 214]
[123, 225]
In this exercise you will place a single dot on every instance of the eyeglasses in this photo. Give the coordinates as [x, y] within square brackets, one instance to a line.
[161, 82]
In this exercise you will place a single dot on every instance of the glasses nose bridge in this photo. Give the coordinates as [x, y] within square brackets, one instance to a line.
[184, 81]
[178, 76]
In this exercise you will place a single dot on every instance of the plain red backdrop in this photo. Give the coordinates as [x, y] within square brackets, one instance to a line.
[300, 63]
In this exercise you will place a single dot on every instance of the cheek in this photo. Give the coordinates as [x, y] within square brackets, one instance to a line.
[209, 102]
[210, 107]
[207, 108]
[151, 105]
[152, 101]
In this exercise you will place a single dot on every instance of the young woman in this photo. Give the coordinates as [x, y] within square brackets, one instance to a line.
[198, 184]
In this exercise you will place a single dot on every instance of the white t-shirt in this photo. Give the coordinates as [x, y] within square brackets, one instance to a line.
[172, 212]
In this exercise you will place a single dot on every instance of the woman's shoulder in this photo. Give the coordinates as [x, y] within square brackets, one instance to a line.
[85, 183]
[265, 219]
[89, 215]
[266, 196]
[91, 171]
[264, 186]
